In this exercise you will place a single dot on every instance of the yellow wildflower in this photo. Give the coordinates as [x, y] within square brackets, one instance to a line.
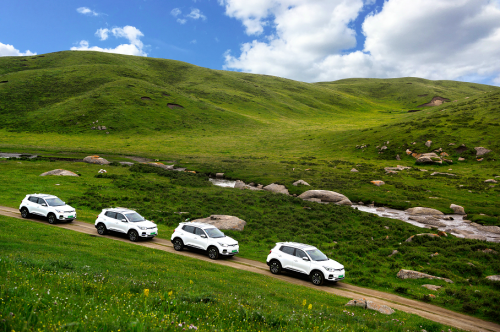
[146, 292]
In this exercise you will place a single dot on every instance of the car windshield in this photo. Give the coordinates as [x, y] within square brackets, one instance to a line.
[134, 217]
[214, 232]
[54, 202]
[317, 255]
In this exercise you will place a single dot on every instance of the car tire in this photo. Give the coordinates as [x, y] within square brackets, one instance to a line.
[213, 253]
[275, 267]
[52, 218]
[178, 244]
[317, 278]
[25, 213]
[133, 236]
[101, 229]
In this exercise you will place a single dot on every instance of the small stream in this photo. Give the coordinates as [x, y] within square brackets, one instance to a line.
[16, 155]
[457, 226]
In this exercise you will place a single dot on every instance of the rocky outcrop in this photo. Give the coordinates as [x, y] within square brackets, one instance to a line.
[326, 196]
[457, 209]
[423, 211]
[392, 170]
[480, 151]
[493, 278]
[301, 182]
[371, 305]
[95, 160]
[428, 158]
[409, 274]
[59, 171]
[277, 189]
[224, 222]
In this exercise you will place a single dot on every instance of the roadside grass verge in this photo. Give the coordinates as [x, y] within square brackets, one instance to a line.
[55, 279]
[360, 241]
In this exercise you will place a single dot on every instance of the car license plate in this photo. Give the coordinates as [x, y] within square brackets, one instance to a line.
[154, 233]
[70, 216]
[235, 250]
[341, 276]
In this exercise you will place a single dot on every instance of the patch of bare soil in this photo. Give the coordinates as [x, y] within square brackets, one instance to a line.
[145, 98]
[436, 101]
[174, 106]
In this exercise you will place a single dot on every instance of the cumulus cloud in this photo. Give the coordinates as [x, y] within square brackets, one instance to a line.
[132, 34]
[9, 50]
[308, 39]
[86, 11]
[176, 12]
[181, 20]
[196, 14]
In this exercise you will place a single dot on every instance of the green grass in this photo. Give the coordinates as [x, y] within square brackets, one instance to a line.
[361, 243]
[73, 284]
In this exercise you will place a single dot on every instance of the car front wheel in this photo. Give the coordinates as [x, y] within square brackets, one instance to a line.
[25, 213]
[101, 229]
[178, 244]
[275, 267]
[213, 253]
[133, 236]
[52, 218]
[317, 278]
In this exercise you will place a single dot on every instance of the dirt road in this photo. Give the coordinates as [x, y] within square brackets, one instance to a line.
[425, 310]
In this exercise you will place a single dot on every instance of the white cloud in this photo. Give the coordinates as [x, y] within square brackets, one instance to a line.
[196, 14]
[102, 34]
[193, 41]
[9, 50]
[86, 11]
[181, 20]
[135, 46]
[435, 39]
[175, 12]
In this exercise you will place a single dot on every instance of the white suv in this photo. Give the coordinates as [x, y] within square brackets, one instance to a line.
[305, 259]
[49, 206]
[125, 221]
[206, 237]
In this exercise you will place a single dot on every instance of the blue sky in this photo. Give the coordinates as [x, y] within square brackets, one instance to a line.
[306, 40]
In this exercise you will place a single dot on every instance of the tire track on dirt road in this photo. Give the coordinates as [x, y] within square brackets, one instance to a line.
[425, 310]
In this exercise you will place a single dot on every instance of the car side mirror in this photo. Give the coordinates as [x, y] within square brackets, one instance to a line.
[305, 258]
[203, 236]
[43, 204]
[124, 220]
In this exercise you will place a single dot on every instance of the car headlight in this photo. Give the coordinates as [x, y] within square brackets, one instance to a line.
[222, 244]
[329, 269]
[143, 228]
[59, 211]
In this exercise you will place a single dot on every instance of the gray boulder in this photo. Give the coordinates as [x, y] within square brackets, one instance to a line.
[371, 305]
[409, 274]
[457, 209]
[300, 182]
[480, 151]
[423, 211]
[239, 184]
[59, 171]
[428, 143]
[429, 158]
[427, 221]
[326, 196]
[493, 278]
[95, 160]
[491, 181]
[354, 170]
[432, 287]
[224, 222]
[277, 189]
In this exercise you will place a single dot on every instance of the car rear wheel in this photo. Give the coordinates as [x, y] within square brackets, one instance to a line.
[101, 229]
[133, 236]
[178, 244]
[213, 253]
[317, 278]
[25, 213]
[275, 267]
[52, 218]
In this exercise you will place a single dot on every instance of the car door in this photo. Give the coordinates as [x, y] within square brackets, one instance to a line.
[43, 207]
[200, 238]
[121, 226]
[187, 235]
[286, 256]
[110, 220]
[299, 263]
[32, 205]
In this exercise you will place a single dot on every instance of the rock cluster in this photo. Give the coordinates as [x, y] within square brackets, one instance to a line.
[409, 274]
[224, 222]
[301, 182]
[371, 305]
[394, 170]
[59, 171]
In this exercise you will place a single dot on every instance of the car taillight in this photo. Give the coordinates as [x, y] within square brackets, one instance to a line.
[270, 251]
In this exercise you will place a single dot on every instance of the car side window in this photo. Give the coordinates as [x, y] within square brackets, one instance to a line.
[41, 201]
[110, 214]
[120, 216]
[300, 253]
[287, 250]
[33, 199]
[199, 231]
[189, 229]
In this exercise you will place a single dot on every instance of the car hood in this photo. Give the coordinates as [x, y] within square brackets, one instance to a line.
[65, 208]
[145, 223]
[226, 240]
[332, 264]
